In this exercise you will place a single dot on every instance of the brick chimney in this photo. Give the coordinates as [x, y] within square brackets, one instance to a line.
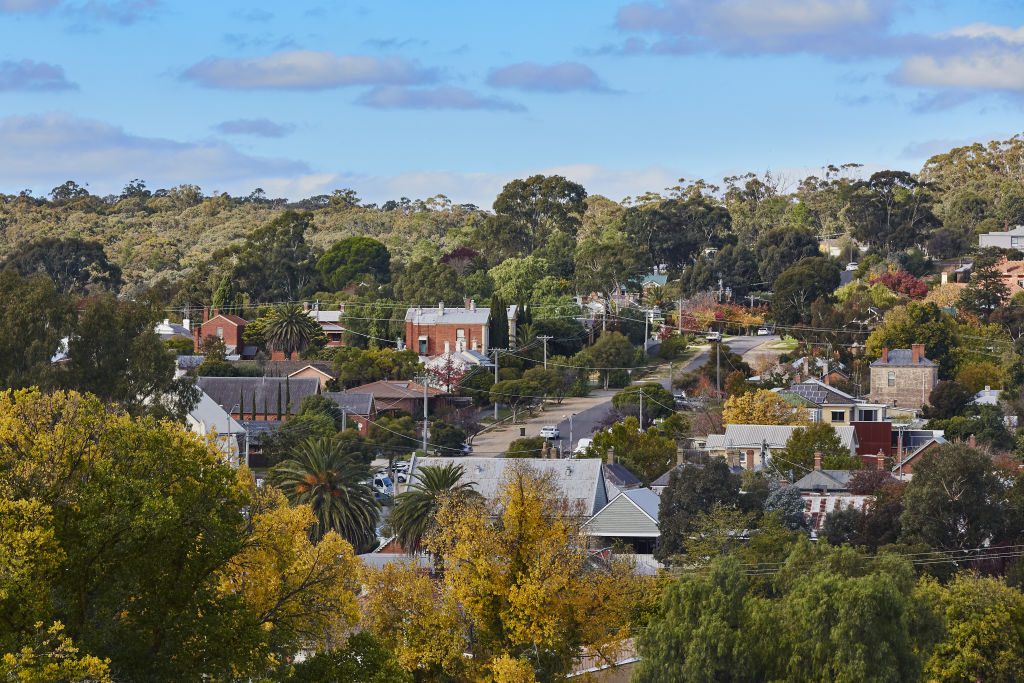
[610, 456]
[465, 303]
[880, 459]
[750, 459]
[216, 312]
[817, 460]
[206, 314]
[916, 353]
[885, 355]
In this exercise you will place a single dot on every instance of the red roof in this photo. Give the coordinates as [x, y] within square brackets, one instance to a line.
[230, 318]
[396, 389]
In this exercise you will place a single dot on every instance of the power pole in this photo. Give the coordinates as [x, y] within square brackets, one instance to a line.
[545, 338]
[718, 367]
[641, 407]
[426, 381]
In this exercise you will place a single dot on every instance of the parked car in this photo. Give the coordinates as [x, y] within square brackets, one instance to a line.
[852, 266]
[680, 398]
[762, 331]
[382, 485]
[713, 336]
[549, 431]
[582, 446]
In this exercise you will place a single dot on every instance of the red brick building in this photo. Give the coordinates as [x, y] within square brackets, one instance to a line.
[229, 328]
[433, 331]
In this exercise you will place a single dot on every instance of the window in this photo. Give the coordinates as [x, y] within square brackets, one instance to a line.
[892, 378]
[460, 340]
[838, 415]
[423, 345]
[220, 332]
[869, 416]
[1015, 242]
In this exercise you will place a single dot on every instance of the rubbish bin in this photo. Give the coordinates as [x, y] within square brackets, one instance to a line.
[522, 431]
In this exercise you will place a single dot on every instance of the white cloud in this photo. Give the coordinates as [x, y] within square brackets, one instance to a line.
[29, 75]
[990, 70]
[984, 30]
[306, 70]
[561, 77]
[41, 151]
[399, 97]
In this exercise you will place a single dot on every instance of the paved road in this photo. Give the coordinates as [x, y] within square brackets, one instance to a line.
[740, 345]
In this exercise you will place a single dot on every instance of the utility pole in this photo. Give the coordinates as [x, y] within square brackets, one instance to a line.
[718, 367]
[647, 320]
[679, 319]
[641, 407]
[545, 338]
[425, 405]
[344, 419]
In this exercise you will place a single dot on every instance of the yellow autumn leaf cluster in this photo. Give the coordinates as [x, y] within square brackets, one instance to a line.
[762, 407]
[517, 587]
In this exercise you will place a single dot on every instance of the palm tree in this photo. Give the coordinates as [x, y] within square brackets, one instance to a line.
[415, 507]
[320, 474]
[289, 329]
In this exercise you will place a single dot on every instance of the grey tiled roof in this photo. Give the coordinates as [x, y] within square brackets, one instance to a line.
[226, 390]
[356, 403]
[821, 394]
[827, 480]
[902, 358]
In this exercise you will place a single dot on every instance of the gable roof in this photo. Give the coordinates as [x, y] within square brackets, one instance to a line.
[898, 358]
[581, 480]
[395, 389]
[821, 394]
[631, 513]
[229, 317]
[309, 366]
[226, 390]
[775, 436]
[937, 440]
[354, 402]
[645, 499]
[825, 480]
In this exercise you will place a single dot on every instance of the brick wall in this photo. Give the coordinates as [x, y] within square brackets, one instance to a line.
[231, 332]
[438, 334]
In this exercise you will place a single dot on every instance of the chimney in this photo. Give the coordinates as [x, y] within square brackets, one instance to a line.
[885, 355]
[916, 353]
[881, 459]
[472, 304]
[186, 323]
[970, 441]
[440, 308]
[750, 459]
[817, 460]
[544, 451]
[944, 278]
[206, 314]
[216, 312]
[465, 303]
[680, 457]
[610, 457]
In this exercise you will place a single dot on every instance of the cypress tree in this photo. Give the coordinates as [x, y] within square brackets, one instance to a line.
[288, 396]
[241, 404]
[498, 328]
[253, 415]
[278, 400]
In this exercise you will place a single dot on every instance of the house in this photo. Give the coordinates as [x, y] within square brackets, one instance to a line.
[356, 406]
[229, 328]
[652, 280]
[1004, 239]
[183, 365]
[580, 481]
[751, 446]
[618, 479]
[825, 491]
[630, 521]
[987, 397]
[903, 378]
[168, 330]
[391, 395]
[826, 369]
[834, 406]
[260, 398]
[905, 466]
[432, 331]
[329, 321]
[209, 419]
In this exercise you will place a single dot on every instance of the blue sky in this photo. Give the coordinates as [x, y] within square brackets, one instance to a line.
[415, 99]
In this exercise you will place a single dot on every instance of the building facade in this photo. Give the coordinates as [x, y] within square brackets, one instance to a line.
[903, 378]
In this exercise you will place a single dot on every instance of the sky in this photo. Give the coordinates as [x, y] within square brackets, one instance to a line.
[416, 99]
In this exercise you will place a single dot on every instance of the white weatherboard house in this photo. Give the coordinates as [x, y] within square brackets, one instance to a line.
[207, 418]
[628, 524]
[581, 481]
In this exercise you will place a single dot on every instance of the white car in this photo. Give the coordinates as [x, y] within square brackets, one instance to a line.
[852, 266]
[713, 336]
[762, 331]
[549, 431]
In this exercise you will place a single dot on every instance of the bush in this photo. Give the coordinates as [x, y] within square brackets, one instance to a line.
[673, 347]
[527, 447]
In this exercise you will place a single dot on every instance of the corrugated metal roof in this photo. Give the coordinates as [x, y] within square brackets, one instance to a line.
[775, 436]
[645, 499]
[580, 480]
[448, 316]
[392, 389]
[827, 480]
[355, 402]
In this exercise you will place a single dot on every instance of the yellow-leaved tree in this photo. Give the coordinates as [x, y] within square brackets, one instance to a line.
[518, 594]
[762, 407]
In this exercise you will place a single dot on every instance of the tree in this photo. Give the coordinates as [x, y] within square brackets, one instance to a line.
[891, 209]
[790, 504]
[799, 286]
[116, 355]
[446, 439]
[289, 329]
[722, 361]
[540, 204]
[953, 501]
[609, 262]
[34, 321]
[523, 588]
[611, 351]
[333, 484]
[984, 630]
[657, 400]
[919, 323]
[363, 659]
[352, 257]
[275, 263]
[948, 399]
[426, 283]
[413, 514]
[517, 394]
[75, 265]
[986, 290]
[647, 454]
[762, 407]
[514, 278]
[781, 248]
[498, 324]
[692, 489]
[798, 455]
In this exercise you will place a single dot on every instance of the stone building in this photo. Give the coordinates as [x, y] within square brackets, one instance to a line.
[903, 378]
